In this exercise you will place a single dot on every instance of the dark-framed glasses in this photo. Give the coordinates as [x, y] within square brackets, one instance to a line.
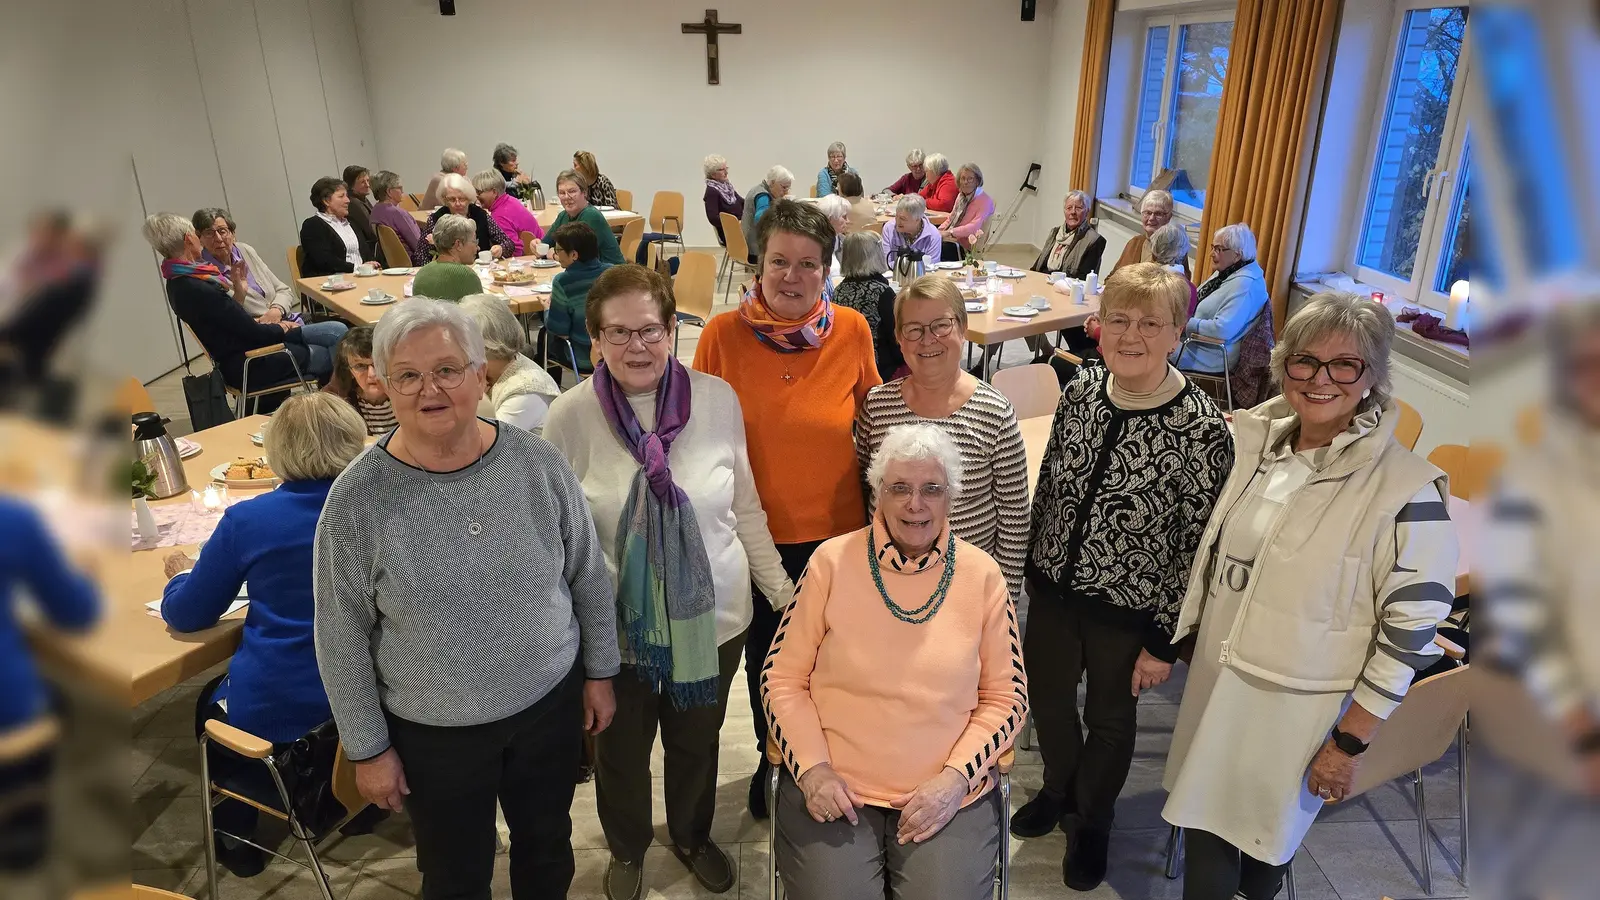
[1304, 367]
[1118, 323]
[939, 328]
[650, 334]
[929, 492]
[409, 381]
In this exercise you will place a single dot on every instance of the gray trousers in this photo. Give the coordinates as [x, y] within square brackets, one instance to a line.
[689, 741]
[865, 861]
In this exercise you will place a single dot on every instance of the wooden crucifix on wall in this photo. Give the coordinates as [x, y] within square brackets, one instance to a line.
[710, 27]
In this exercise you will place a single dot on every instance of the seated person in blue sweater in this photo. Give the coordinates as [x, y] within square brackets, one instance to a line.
[29, 559]
[272, 688]
[577, 249]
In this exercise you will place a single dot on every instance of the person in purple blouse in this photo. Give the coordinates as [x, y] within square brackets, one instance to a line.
[910, 230]
[387, 191]
[506, 211]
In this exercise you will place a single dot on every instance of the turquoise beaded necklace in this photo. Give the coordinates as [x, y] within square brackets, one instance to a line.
[926, 611]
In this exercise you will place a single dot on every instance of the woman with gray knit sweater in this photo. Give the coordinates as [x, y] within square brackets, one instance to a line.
[465, 623]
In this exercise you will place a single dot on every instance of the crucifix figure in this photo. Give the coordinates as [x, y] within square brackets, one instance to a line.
[710, 27]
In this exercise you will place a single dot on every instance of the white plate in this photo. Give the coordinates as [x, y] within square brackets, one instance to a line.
[187, 448]
[975, 306]
[403, 270]
[341, 286]
[947, 265]
[220, 473]
[545, 288]
[1011, 273]
[1023, 312]
[371, 274]
[544, 264]
[606, 209]
[387, 299]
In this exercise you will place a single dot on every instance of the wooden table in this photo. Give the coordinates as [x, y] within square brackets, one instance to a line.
[984, 329]
[886, 212]
[618, 219]
[347, 304]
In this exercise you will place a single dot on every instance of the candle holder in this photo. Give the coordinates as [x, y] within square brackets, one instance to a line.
[214, 499]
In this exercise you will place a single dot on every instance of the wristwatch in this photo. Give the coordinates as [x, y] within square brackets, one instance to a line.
[1348, 744]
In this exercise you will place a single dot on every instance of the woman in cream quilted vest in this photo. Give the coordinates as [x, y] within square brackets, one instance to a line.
[1326, 567]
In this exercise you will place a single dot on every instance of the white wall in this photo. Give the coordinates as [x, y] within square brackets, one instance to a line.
[1062, 73]
[618, 78]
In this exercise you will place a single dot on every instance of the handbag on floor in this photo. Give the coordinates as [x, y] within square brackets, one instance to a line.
[205, 395]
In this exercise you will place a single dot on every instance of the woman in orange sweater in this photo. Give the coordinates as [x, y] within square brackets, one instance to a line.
[894, 685]
[801, 366]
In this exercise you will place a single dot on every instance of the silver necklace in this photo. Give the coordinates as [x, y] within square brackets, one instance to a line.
[473, 527]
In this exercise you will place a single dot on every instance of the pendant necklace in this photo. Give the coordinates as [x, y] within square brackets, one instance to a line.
[787, 378]
[473, 527]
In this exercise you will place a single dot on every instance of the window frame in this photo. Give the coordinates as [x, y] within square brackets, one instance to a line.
[1175, 22]
[1443, 184]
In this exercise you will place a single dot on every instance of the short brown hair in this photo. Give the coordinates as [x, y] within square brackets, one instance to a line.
[356, 344]
[933, 287]
[850, 185]
[323, 189]
[352, 174]
[793, 217]
[627, 279]
[1149, 287]
[579, 238]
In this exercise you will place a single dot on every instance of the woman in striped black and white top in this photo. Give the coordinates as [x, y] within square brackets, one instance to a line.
[991, 510]
[356, 382]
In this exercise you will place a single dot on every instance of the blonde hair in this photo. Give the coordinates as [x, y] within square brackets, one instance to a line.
[1368, 322]
[583, 161]
[312, 437]
[1147, 287]
[934, 287]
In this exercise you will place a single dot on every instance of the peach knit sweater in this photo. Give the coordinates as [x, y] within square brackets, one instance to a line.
[889, 704]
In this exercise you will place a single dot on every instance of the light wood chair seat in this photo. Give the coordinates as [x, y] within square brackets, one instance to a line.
[632, 234]
[395, 254]
[625, 201]
[1033, 389]
[694, 288]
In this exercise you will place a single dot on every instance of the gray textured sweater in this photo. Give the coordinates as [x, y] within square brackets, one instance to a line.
[437, 626]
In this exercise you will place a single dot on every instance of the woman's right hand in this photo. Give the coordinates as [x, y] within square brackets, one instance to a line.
[382, 780]
[828, 798]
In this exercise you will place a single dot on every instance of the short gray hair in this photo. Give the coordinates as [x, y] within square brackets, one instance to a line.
[384, 181]
[1170, 244]
[1082, 197]
[914, 443]
[569, 175]
[936, 165]
[451, 230]
[452, 160]
[489, 180]
[503, 337]
[714, 162]
[1237, 237]
[834, 207]
[912, 203]
[973, 168]
[836, 145]
[455, 182]
[914, 158]
[313, 437]
[1158, 197]
[1334, 312]
[415, 314]
[165, 231]
[861, 255]
[504, 153]
[207, 216]
[779, 175]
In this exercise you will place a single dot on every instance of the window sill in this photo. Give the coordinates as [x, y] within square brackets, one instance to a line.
[1449, 360]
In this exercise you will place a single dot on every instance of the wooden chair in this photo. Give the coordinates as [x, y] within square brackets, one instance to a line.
[1410, 427]
[1530, 425]
[666, 208]
[813, 191]
[145, 892]
[296, 257]
[738, 252]
[1471, 469]
[529, 242]
[415, 198]
[632, 234]
[1032, 389]
[409, 203]
[132, 397]
[395, 254]
[694, 288]
[243, 396]
[624, 200]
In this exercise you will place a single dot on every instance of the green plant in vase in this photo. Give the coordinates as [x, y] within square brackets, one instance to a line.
[143, 479]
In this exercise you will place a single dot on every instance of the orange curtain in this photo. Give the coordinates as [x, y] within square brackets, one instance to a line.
[1266, 131]
[1091, 94]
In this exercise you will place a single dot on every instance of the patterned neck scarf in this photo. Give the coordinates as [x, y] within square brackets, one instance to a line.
[723, 188]
[1222, 275]
[180, 268]
[665, 596]
[784, 335]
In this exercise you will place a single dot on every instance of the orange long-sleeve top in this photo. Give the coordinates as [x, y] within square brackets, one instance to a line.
[889, 704]
[799, 412]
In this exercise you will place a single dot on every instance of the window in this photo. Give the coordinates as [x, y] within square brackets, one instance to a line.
[1413, 233]
[1179, 96]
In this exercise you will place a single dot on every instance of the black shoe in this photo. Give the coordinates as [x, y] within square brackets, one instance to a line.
[624, 880]
[1085, 865]
[758, 789]
[710, 866]
[1038, 817]
[243, 860]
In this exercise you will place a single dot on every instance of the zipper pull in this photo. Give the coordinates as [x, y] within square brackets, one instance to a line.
[1224, 659]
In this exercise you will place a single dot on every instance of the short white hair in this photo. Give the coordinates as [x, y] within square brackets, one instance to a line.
[452, 160]
[456, 182]
[1158, 197]
[914, 158]
[415, 314]
[503, 337]
[836, 146]
[779, 175]
[1170, 244]
[452, 230]
[166, 231]
[834, 207]
[913, 204]
[914, 443]
[936, 165]
[714, 162]
[1236, 237]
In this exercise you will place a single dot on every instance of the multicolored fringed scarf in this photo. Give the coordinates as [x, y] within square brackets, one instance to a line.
[784, 335]
[665, 597]
[179, 268]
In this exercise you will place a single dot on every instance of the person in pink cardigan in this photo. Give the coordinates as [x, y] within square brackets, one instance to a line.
[973, 207]
[506, 211]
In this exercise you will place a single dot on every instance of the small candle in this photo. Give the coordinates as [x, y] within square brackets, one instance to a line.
[1460, 296]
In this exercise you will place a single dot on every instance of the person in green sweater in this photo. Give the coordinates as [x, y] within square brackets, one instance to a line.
[577, 248]
[575, 208]
[450, 276]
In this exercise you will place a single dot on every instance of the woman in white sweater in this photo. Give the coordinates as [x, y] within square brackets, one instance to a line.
[520, 390]
[660, 452]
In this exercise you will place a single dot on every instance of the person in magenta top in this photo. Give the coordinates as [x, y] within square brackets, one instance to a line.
[386, 194]
[506, 210]
[939, 188]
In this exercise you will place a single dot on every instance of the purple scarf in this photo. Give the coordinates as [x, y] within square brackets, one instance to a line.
[729, 194]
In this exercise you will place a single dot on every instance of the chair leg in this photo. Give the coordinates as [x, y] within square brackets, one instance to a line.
[1174, 851]
[1003, 865]
[1461, 788]
[210, 838]
[1288, 877]
[772, 835]
[244, 391]
[300, 833]
[1422, 835]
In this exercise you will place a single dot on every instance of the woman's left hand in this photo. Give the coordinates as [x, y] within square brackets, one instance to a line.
[931, 806]
[1332, 774]
[599, 704]
[497, 251]
[176, 562]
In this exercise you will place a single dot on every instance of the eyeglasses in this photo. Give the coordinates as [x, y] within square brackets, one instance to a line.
[930, 492]
[218, 231]
[650, 334]
[409, 381]
[939, 328]
[1218, 248]
[1116, 323]
[1341, 371]
[356, 368]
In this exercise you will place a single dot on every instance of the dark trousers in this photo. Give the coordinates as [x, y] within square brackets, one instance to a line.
[1216, 870]
[1061, 645]
[25, 809]
[456, 775]
[245, 777]
[689, 738]
[763, 625]
[950, 251]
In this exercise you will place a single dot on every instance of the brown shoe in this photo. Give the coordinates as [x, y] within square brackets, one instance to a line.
[710, 865]
[624, 880]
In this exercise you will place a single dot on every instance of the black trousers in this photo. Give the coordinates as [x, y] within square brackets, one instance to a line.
[1086, 771]
[689, 740]
[950, 251]
[1216, 870]
[246, 777]
[763, 625]
[25, 809]
[456, 774]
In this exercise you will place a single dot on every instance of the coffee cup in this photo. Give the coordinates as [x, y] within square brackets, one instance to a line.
[366, 269]
[375, 294]
[540, 248]
[991, 266]
[485, 257]
[1038, 302]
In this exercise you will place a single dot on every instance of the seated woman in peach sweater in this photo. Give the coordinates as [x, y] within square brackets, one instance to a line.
[893, 687]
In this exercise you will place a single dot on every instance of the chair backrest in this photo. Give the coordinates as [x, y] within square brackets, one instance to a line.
[344, 783]
[1033, 389]
[1470, 468]
[1410, 427]
[695, 285]
[529, 242]
[624, 199]
[1530, 425]
[416, 199]
[395, 255]
[813, 190]
[667, 206]
[737, 248]
[409, 203]
[295, 256]
[1509, 722]
[1418, 732]
[632, 234]
[132, 397]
